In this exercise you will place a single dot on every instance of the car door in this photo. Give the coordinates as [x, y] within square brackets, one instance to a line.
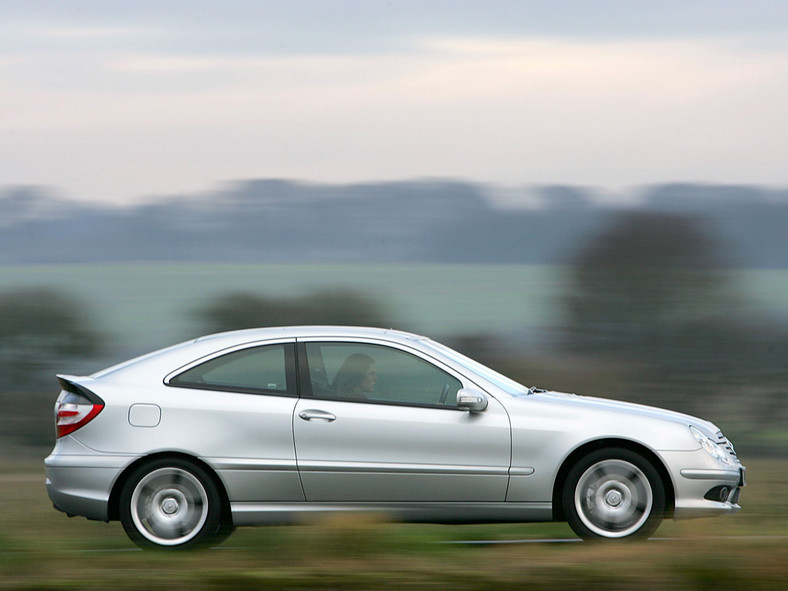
[380, 423]
[235, 410]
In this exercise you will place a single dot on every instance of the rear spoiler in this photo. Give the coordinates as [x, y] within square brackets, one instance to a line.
[70, 384]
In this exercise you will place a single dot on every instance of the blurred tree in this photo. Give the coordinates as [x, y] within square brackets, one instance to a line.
[650, 294]
[245, 310]
[647, 282]
[40, 329]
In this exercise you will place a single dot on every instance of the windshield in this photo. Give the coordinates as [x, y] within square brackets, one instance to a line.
[501, 381]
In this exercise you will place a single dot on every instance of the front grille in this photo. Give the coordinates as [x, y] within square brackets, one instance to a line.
[723, 441]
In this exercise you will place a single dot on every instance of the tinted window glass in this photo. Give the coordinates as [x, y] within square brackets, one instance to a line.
[265, 368]
[373, 373]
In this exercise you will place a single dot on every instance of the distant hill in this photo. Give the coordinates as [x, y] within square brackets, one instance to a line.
[428, 221]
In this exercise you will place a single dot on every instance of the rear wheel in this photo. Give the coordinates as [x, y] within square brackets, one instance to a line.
[613, 493]
[171, 503]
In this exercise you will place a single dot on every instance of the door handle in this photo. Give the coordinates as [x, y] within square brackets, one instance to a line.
[317, 415]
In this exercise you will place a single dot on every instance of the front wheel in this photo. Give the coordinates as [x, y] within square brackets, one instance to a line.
[171, 503]
[613, 493]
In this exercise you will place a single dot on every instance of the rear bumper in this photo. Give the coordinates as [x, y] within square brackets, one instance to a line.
[81, 484]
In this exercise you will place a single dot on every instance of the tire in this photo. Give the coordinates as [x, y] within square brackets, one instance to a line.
[171, 503]
[612, 494]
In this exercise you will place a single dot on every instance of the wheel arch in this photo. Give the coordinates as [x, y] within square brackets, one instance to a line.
[591, 446]
[114, 497]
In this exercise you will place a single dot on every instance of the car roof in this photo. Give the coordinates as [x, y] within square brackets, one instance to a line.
[253, 334]
[170, 358]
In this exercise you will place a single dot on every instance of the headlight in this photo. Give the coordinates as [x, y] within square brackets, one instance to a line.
[711, 446]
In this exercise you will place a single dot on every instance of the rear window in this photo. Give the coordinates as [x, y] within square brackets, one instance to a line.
[268, 369]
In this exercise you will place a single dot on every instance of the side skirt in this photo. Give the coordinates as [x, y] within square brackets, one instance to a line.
[286, 513]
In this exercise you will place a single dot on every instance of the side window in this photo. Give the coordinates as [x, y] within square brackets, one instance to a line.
[266, 369]
[374, 373]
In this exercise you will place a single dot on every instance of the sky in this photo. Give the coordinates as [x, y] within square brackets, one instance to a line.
[124, 101]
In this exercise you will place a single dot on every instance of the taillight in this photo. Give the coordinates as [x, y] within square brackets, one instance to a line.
[70, 416]
[75, 407]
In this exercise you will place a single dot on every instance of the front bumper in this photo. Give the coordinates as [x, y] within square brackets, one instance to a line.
[703, 487]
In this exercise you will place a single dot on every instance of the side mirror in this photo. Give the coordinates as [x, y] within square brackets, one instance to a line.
[471, 400]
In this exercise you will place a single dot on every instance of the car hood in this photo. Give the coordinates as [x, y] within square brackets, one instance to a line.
[617, 407]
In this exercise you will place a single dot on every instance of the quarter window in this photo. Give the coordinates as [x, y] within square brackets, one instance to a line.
[267, 369]
[374, 373]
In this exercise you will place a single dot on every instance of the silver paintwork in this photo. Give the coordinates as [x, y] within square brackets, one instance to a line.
[279, 457]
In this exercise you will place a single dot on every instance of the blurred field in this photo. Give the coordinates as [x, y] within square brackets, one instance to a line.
[43, 549]
[129, 300]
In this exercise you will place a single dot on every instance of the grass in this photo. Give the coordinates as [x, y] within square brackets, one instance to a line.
[43, 549]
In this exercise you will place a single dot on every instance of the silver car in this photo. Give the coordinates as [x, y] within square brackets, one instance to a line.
[265, 426]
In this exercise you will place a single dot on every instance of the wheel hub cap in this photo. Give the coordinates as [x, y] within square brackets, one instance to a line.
[169, 506]
[614, 498]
